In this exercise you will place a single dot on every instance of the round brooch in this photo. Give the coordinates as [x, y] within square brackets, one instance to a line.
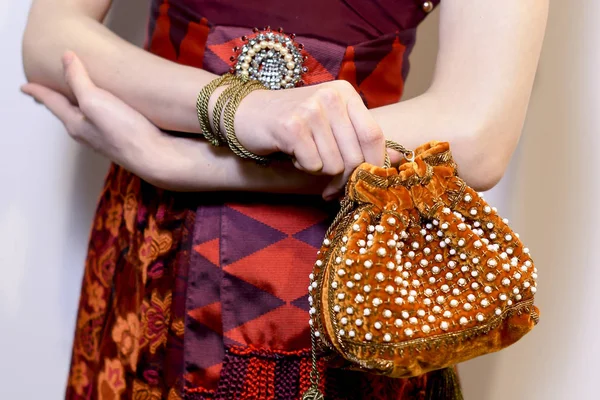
[272, 58]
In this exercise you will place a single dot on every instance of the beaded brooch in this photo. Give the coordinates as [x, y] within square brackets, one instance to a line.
[270, 57]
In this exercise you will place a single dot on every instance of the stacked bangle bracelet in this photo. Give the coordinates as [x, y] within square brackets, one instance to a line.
[226, 106]
[267, 60]
[202, 109]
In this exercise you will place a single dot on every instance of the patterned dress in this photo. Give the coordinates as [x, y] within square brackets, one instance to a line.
[204, 296]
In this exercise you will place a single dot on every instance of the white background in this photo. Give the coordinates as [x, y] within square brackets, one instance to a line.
[49, 186]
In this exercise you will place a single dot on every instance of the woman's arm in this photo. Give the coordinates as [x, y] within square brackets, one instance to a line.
[163, 91]
[478, 100]
[485, 70]
[109, 126]
[324, 136]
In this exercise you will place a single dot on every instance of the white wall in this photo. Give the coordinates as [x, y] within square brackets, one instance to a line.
[49, 185]
[48, 193]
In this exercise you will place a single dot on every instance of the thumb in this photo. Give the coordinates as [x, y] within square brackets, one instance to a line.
[335, 188]
[76, 75]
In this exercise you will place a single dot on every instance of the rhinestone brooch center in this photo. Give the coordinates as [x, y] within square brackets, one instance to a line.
[270, 57]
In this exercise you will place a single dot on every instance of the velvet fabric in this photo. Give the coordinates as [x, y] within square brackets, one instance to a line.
[419, 273]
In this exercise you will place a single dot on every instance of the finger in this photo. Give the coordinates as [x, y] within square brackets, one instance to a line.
[58, 104]
[307, 156]
[370, 139]
[333, 163]
[76, 124]
[346, 140]
[297, 164]
[76, 76]
[343, 131]
[299, 143]
[337, 185]
[30, 91]
[332, 190]
[370, 135]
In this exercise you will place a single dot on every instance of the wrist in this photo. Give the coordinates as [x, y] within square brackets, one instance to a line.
[280, 177]
[252, 119]
[172, 106]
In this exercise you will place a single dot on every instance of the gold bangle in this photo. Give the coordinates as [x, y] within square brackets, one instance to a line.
[202, 109]
[235, 83]
[229, 115]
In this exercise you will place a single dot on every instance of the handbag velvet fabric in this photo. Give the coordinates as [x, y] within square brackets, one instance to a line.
[406, 200]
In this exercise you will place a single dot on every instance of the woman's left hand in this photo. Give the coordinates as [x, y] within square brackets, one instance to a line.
[105, 123]
[111, 127]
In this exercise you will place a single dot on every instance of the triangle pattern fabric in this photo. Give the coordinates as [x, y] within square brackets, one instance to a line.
[209, 227]
[302, 303]
[242, 302]
[208, 346]
[210, 250]
[192, 43]
[204, 280]
[206, 378]
[209, 315]
[291, 325]
[380, 87]
[289, 219]
[279, 269]
[313, 235]
[368, 54]
[245, 236]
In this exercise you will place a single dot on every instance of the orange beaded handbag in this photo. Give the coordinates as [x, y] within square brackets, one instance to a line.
[417, 272]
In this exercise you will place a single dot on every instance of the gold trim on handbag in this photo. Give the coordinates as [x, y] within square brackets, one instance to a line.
[417, 272]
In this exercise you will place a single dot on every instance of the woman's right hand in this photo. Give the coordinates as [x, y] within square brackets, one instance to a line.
[116, 130]
[326, 128]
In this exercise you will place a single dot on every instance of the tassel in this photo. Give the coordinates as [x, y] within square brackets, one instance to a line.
[443, 385]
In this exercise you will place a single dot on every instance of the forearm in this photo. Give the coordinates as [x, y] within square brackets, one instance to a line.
[474, 142]
[163, 91]
[482, 84]
[201, 167]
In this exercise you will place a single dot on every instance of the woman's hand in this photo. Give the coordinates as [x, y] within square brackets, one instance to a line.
[117, 131]
[103, 122]
[331, 133]
[326, 128]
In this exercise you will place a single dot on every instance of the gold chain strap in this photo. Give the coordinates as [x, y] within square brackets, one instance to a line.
[409, 155]
[313, 392]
